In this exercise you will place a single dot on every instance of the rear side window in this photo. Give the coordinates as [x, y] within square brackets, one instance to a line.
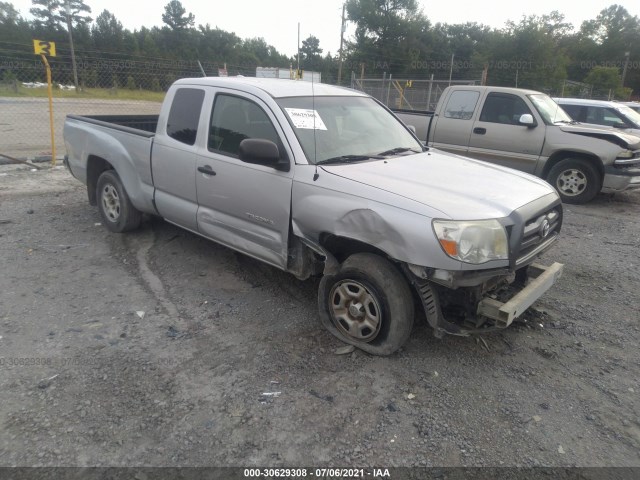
[184, 115]
[461, 105]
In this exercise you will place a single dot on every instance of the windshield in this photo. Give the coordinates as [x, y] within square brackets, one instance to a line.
[346, 128]
[630, 114]
[549, 110]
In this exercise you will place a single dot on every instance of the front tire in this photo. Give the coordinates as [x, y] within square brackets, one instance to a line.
[367, 304]
[576, 180]
[117, 211]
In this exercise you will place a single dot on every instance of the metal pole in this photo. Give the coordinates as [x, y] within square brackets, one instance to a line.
[626, 64]
[298, 71]
[451, 69]
[384, 80]
[388, 89]
[73, 53]
[429, 94]
[341, 41]
[50, 92]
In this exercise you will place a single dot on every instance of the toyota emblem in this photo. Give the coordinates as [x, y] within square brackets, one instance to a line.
[545, 228]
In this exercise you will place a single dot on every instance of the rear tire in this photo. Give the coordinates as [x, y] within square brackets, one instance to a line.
[117, 211]
[367, 304]
[576, 180]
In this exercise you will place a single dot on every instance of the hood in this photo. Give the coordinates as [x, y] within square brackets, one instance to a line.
[461, 188]
[610, 134]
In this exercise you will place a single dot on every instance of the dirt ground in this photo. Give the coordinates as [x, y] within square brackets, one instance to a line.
[159, 348]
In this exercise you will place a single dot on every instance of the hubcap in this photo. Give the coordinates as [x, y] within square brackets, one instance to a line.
[571, 182]
[111, 202]
[355, 311]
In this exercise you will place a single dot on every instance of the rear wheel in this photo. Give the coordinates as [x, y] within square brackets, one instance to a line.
[576, 180]
[116, 210]
[368, 304]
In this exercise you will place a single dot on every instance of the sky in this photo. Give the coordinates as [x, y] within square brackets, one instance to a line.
[277, 20]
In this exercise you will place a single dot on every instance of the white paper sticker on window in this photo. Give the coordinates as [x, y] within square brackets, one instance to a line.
[302, 118]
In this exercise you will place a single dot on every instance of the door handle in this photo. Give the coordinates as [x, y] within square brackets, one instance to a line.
[480, 130]
[206, 170]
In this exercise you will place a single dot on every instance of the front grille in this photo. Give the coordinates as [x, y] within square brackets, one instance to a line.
[538, 233]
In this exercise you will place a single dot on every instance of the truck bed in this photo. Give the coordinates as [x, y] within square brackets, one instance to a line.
[144, 125]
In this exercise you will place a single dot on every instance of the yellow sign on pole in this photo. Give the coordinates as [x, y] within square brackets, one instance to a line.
[42, 47]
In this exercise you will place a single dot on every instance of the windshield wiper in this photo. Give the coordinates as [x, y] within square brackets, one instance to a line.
[393, 151]
[347, 159]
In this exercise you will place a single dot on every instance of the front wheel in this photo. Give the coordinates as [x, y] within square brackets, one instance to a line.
[367, 304]
[117, 211]
[576, 180]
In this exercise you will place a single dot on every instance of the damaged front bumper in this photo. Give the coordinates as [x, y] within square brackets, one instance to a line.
[474, 294]
[541, 280]
[618, 179]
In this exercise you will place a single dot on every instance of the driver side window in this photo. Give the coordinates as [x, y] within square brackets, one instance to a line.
[503, 108]
[234, 119]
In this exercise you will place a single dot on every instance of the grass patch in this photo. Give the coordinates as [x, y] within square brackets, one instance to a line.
[87, 93]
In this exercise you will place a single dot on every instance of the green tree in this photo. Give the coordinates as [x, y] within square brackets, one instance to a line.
[219, 44]
[605, 79]
[149, 47]
[310, 52]
[107, 32]
[311, 47]
[51, 15]
[384, 32]
[8, 14]
[75, 10]
[176, 17]
[13, 27]
[45, 14]
[530, 54]
[611, 35]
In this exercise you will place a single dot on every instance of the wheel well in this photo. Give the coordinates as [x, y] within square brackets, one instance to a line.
[559, 156]
[342, 247]
[95, 167]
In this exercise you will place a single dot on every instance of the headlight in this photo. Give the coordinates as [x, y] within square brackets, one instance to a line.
[625, 154]
[627, 157]
[473, 241]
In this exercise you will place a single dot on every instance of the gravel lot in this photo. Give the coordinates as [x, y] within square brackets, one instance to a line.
[158, 348]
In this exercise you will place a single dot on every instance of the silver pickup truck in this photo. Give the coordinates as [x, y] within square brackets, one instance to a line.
[321, 180]
[528, 131]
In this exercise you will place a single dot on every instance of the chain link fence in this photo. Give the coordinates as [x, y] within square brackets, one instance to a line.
[109, 83]
[403, 93]
[105, 86]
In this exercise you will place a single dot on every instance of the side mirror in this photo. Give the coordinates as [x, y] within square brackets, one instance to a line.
[527, 120]
[261, 152]
[412, 128]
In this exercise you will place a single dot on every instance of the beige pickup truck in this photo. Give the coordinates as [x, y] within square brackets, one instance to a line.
[528, 131]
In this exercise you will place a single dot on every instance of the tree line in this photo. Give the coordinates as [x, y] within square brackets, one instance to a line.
[392, 37]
